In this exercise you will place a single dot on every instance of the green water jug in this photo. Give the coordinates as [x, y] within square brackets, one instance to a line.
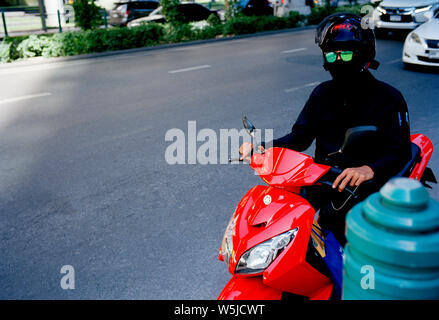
[392, 249]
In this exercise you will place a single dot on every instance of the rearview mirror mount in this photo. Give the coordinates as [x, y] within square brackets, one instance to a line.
[354, 136]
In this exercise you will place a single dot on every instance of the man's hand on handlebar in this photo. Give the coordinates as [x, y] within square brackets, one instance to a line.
[353, 176]
[246, 150]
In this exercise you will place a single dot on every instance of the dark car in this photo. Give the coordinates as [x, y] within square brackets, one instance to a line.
[189, 10]
[126, 11]
[255, 7]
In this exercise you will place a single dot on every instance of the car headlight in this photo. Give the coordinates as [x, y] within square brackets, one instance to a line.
[258, 258]
[423, 14]
[415, 38]
[423, 9]
[381, 10]
[227, 244]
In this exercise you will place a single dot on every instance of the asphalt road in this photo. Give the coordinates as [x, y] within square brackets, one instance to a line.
[83, 176]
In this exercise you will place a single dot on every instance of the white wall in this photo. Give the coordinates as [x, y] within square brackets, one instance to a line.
[107, 4]
[52, 7]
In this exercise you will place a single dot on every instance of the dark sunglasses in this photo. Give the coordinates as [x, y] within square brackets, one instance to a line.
[345, 56]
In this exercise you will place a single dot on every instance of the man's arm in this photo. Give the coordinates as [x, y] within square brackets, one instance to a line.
[394, 149]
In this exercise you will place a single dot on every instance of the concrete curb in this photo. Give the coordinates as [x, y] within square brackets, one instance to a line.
[42, 60]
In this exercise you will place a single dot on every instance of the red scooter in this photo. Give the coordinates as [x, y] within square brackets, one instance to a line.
[267, 246]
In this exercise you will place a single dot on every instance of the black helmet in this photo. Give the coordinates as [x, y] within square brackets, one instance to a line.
[344, 31]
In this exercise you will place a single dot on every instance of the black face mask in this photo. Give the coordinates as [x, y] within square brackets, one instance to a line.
[346, 73]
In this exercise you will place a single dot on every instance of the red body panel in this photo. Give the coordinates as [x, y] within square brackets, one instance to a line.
[426, 150]
[286, 168]
[257, 222]
[295, 275]
[240, 288]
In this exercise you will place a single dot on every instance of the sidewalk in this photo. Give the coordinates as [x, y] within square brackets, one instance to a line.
[19, 23]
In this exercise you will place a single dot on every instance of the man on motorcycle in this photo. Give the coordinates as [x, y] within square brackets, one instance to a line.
[352, 98]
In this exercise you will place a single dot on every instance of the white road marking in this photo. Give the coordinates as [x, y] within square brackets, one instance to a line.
[31, 96]
[312, 84]
[189, 69]
[394, 61]
[293, 50]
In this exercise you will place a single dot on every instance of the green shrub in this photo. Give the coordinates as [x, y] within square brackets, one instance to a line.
[32, 46]
[209, 32]
[101, 40]
[179, 32]
[272, 23]
[351, 9]
[14, 42]
[81, 42]
[148, 34]
[170, 11]
[245, 24]
[241, 25]
[233, 10]
[295, 19]
[318, 14]
[73, 42]
[5, 52]
[54, 47]
[213, 20]
[87, 14]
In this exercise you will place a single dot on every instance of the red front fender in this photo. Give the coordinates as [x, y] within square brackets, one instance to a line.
[248, 288]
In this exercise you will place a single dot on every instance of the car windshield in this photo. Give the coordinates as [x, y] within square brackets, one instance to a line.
[119, 6]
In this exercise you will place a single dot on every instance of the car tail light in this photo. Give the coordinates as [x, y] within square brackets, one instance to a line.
[127, 12]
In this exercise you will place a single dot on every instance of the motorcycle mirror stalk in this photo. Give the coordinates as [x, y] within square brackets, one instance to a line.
[250, 128]
[353, 137]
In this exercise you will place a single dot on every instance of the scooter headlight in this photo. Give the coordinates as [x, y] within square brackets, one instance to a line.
[227, 244]
[258, 258]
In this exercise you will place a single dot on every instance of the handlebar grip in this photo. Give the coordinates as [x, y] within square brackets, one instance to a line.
[347, 188]
[335, 170]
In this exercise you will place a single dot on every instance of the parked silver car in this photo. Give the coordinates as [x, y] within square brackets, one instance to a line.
[404, 14]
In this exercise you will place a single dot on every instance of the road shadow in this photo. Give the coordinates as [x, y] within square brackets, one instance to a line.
[421, 69]
[397, 35]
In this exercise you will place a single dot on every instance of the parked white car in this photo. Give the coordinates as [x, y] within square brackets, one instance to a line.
[404, 14]
[422, 44]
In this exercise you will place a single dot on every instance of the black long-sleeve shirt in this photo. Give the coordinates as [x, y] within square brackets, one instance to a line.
[333, 108]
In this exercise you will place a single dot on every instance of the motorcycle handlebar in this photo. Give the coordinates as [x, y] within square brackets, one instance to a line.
[347, 188]
[329, 178]
[244, 160]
